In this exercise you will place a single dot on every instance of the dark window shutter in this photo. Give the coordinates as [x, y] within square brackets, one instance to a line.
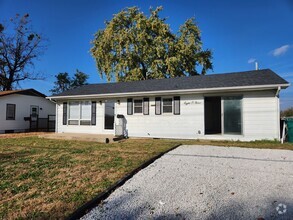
[176, 105]
[145, 106]
[158, 105]
[129, 107]
[64, 113]
[94, 109]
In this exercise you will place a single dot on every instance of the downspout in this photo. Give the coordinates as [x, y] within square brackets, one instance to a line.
[278, 111]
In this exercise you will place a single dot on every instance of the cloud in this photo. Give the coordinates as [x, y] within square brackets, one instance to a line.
[280, 50]
[251, 60]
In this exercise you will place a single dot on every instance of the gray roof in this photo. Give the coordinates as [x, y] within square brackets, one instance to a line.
[236, 79]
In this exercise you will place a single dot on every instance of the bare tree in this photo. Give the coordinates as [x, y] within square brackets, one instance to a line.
[19, 48]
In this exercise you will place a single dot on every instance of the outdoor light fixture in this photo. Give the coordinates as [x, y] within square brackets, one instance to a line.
[118, 102]
[100, 102]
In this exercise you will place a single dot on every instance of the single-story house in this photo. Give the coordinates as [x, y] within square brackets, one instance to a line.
[18, 106]
[233, 106]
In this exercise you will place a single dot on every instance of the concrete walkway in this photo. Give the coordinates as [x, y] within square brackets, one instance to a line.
[207, 182]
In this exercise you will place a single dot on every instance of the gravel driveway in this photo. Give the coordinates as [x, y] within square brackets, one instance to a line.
[206, 182]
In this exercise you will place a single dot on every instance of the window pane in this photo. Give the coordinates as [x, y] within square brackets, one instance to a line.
[86, 110]
[10, 112]
[74, 110]
[73, 122]
[167, 101]
[85, 122]
[232, 115]
[167, 109]
[138, 106]
[167, 105]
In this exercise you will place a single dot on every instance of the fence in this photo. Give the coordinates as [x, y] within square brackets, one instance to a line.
[42, 124]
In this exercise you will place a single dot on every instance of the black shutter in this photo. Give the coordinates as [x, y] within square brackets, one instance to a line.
[129, 107]
[176, 105]
[158, 105]
[64, 113]
[94, 109]
[145, 106]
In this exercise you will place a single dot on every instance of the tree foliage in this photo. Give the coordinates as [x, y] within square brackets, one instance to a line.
[65, 82]
[287, 112]
[136, 47]
[20, 46]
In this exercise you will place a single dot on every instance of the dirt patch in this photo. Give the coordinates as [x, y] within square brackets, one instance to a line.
[27, 134]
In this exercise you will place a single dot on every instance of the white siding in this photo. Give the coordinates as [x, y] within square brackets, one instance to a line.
[23, 103]
[260, 118]
[260, 115]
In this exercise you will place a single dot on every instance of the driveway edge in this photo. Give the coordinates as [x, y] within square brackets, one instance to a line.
[85, 208]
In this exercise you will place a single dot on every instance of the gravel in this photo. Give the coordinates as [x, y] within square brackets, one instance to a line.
[206, 182]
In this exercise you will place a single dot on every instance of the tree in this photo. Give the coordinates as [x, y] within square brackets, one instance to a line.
[19, 48]
[287, 112]
[65, 82]
[136, 47]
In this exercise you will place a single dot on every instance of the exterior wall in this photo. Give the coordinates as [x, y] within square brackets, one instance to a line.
[22, 109]
[260, 118]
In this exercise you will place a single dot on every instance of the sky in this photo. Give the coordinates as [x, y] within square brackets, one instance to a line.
[238, 33]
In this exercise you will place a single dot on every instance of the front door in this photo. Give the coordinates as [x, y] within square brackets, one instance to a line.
[109, 114]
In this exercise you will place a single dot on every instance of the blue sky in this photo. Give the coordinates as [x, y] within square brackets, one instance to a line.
[238, 32]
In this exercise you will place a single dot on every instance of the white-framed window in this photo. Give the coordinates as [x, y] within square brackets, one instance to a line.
[79, 113]
[167, 105]
[137, 107]
[10, 111]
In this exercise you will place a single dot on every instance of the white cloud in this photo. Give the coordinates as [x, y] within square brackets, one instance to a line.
[280, 50]
[251, 60]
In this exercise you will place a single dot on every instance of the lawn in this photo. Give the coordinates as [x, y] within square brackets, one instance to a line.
[41, 178]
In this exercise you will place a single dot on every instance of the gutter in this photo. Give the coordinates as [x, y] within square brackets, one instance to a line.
[182, 91]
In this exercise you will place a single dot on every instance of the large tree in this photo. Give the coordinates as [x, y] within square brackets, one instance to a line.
[65, 82]
[20, 46]
[136, 47]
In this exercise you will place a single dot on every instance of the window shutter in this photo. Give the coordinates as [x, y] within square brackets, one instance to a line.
[129, 107]
[158, 105]
[94, 109]
[145, 106]
[64, 113]
[176, 105]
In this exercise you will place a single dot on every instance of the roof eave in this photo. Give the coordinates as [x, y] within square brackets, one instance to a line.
[182, 91]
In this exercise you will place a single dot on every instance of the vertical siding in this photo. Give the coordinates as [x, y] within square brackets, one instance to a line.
[23, 103]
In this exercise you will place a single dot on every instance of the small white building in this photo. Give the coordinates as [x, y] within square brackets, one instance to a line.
[233, 106]
[17, 106]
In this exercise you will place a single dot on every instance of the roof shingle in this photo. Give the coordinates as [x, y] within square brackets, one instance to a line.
[236, 79]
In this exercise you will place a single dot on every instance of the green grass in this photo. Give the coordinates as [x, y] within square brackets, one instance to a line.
[41, 178]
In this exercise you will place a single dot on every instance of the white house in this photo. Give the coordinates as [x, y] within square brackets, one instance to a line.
[233, 106]
[16, 105]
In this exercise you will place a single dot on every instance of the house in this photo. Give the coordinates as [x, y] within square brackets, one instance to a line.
[18, 108]
[232, 106]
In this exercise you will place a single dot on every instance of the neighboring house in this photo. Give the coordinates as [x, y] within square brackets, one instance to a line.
[232, 106]
[16, 107]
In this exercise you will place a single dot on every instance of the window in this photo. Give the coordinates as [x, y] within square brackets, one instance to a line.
[10, 112]
[85, 112]
[79, 113]
[232, 109]
[167, 105]
[138, 106]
